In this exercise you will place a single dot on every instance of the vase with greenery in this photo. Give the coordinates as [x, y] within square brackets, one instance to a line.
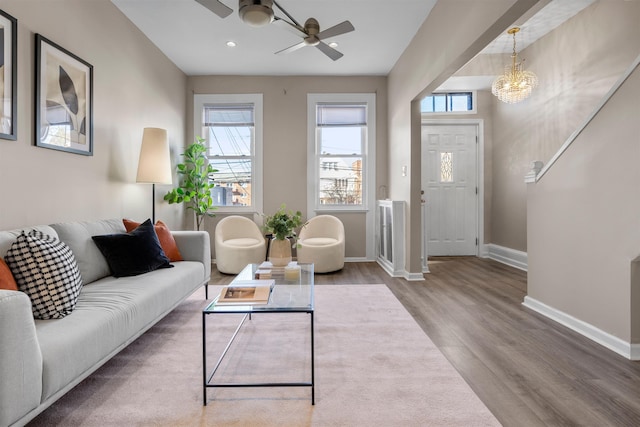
[282, 226]
[196, 182]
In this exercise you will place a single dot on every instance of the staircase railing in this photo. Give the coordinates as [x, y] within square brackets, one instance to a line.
[540, 173]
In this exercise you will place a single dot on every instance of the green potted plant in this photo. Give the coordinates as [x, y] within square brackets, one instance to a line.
[196, 182]
[282, 226]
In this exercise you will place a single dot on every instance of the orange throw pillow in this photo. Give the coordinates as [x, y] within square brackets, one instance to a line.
[165, 237]
[6, 277]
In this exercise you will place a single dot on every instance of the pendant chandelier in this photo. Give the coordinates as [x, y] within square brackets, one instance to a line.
[516, 83]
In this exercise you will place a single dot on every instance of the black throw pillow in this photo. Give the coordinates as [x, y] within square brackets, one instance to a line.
[133, 253]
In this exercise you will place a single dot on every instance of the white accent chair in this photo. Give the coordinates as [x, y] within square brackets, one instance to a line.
[238, 242]
[321, 241]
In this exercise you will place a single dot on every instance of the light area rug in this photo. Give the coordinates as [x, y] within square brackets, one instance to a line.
[374, 367]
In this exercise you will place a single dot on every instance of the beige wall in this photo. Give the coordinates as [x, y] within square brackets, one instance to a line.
[576, 65]
[135, 86]
[584, 222]
[285, 138]
[444, 43]
[583, 226]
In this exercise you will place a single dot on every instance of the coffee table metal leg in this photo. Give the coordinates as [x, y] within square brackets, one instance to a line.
[204, 359]
[206, 379]
[313, 383]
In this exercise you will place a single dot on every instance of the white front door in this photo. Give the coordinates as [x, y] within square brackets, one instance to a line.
[450, 192]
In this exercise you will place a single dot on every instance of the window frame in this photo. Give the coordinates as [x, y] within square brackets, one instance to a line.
[447, 94]
[368, 152]
[199, 103]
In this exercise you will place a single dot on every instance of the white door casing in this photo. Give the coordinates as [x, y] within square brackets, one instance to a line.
[450, 189]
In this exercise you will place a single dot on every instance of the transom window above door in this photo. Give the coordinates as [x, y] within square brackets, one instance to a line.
[450, 102]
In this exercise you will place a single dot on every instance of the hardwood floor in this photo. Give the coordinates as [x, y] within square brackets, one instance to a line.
[528, 370]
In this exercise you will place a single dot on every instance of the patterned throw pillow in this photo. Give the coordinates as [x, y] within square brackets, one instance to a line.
[45, 269]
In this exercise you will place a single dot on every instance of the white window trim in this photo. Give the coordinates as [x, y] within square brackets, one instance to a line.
[368, 176]
[199, 101]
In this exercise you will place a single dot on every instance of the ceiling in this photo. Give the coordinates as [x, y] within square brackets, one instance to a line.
[194, 38]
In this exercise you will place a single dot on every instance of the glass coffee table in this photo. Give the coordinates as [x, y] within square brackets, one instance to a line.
[291, 294]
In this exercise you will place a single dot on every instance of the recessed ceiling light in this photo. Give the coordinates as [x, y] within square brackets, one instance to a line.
[333, 44]
[231, 43]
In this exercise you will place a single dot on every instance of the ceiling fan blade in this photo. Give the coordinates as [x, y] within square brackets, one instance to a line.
[292, 48]
[292, 28]
[329, 51]
[336, 30]
[216, 7]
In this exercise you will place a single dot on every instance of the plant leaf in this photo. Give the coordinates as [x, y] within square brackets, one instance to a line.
[68, 91]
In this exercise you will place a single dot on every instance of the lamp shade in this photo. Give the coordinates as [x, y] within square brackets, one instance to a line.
[154, 165]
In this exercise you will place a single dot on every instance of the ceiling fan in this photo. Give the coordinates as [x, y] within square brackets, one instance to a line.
[260, 12]
[217, 7]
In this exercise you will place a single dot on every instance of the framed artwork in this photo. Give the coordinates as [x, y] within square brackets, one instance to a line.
[64, 99]
[8, 64]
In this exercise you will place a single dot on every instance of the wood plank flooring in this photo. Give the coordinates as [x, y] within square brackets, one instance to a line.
[528, 370]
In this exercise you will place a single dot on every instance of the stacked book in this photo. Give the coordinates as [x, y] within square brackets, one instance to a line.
[266, 270]
[246, 292]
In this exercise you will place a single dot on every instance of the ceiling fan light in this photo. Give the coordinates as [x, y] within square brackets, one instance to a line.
[256, 12]
[312, 41]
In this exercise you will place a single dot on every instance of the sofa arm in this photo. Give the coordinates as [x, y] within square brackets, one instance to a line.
[21, 367]
[195, 246]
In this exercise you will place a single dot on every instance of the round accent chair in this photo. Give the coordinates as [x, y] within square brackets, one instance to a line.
[238, 242]
[321, 241]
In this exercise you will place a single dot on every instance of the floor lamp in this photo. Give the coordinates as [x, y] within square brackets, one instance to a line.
[154, 165]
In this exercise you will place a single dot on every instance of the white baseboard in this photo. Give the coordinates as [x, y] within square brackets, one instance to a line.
[415, 277]
[358, 259]
[635, 352]
[623, 348]
[400, 272]
[484, 251]
[512, 257]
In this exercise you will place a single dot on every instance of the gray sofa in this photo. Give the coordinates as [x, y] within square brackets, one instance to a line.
[41, 360]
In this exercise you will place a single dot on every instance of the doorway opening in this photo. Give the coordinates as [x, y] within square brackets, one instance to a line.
[452, 187]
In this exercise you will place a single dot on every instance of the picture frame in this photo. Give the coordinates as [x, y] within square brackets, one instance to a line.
[8, 76]
[64, 99]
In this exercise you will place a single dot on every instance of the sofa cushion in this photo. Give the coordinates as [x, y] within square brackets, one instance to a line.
[45, 269]
[77, 235]
[165, 237]
[6, 277]
[133, 253]
[109, 315]
[8, 237]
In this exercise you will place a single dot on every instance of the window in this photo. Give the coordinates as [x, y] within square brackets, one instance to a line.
[232, 128]
[446, 166]
[447, 102]
[341, 141]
